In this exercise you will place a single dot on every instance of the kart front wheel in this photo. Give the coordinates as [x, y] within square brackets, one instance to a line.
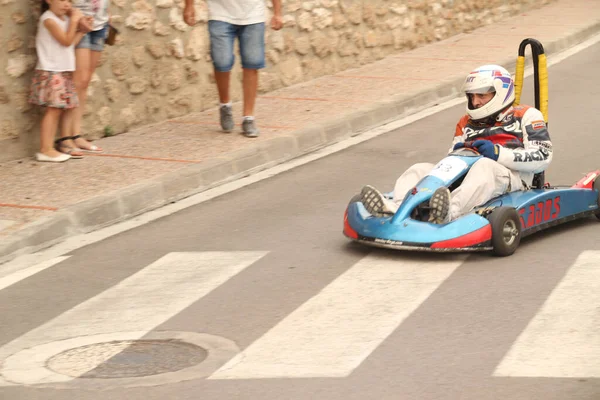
[357, 198]
[506, 230]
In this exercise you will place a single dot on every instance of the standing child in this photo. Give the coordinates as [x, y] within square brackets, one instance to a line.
[52, 84]
[87, 55]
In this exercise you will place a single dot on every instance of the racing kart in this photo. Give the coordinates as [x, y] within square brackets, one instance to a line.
[497, 225]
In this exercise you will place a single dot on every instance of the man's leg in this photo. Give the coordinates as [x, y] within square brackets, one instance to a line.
[222, 35]
[485, 180]
[252, 50]
[250, 84]
[222, 79]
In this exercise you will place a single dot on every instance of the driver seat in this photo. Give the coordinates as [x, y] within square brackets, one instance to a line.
[539, 180]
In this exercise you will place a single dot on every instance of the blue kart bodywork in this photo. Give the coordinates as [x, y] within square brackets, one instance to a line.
[534, 210]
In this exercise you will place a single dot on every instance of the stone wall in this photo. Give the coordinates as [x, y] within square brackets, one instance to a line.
[160, 68]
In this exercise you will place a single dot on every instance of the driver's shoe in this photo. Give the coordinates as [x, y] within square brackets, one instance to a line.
[439, 204]
[374, 201]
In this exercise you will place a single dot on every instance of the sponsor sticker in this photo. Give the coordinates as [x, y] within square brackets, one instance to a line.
[542, 211]
[537, 125]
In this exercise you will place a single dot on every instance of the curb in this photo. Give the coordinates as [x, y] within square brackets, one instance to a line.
[105, 210]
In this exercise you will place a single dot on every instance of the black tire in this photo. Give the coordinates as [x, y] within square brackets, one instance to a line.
[506, 230]
[357, 198]
[597, 187]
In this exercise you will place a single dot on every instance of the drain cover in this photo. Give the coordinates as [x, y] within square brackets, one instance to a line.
[127, 359]
[118, 359]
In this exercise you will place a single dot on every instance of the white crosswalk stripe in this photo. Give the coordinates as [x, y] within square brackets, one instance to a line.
[563, 339]
[332, 333]
[9, 278]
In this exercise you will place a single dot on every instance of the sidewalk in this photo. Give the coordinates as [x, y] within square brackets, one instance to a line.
[42, 204]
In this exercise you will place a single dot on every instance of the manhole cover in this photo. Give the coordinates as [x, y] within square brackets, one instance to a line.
[127, 359]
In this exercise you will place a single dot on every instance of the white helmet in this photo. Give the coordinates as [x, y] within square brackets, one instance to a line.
[486, 79]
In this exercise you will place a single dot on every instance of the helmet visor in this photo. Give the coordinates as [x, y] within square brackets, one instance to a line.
[480, 90]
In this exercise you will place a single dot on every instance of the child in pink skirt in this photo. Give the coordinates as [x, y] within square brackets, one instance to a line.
[52, 85]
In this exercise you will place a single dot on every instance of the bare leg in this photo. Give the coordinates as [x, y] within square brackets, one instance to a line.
[66, 122]
[66, 130]
[250, 84]
[222, 79]
[81, 79]
[86, 63]
[48, 131]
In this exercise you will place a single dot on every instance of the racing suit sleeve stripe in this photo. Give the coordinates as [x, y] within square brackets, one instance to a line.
[536, 154]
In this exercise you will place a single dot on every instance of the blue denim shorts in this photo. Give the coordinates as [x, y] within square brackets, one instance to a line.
[94, 40]
[251, 40]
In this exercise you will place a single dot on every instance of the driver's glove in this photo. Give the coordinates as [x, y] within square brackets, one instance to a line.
[458, 145]
[487, 149]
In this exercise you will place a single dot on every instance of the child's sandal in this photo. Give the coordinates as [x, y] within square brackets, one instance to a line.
[92, 149]
[63, 148]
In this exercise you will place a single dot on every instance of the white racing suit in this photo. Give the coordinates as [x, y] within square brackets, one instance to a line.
[524, 150]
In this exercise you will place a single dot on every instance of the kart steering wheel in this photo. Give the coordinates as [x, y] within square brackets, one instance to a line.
[467, 151]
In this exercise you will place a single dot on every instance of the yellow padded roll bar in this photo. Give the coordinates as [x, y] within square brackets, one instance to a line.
[540, 71]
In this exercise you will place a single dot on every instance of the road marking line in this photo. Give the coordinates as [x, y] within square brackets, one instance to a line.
[562, 339]
[333, 332]
[26, 206]
[145, 158]
[12, 278]
[139, 303]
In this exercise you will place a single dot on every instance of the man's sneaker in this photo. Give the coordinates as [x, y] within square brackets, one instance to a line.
[249, 128]
[439, 204]
[374, 201]
[226, 118]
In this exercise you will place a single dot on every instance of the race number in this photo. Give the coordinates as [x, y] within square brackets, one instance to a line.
[448, 168]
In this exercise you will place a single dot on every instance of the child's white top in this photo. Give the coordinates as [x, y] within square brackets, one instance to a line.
[237, 12]
[53, 56]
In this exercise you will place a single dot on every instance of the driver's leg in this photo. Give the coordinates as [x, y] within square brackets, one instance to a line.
[376, 203]
[485, 180]
[409, 180]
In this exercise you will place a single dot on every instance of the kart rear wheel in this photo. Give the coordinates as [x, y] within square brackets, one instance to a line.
[506, 230]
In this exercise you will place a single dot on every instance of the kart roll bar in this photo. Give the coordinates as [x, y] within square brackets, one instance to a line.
[540, 74]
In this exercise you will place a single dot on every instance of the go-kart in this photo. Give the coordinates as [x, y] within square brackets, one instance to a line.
[497, 225]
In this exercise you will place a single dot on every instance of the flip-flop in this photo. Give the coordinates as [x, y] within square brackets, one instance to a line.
[92, 149]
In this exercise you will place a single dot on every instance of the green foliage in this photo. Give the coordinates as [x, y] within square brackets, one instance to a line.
[108, 131]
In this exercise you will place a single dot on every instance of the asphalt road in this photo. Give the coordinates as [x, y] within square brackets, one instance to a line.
[266, 270]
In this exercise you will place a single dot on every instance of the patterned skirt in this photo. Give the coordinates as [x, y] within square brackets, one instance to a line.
[53, 89]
